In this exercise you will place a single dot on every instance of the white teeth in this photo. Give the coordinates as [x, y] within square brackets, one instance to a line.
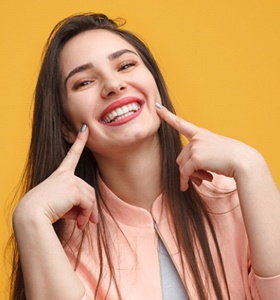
[125, 109]
[121, 112]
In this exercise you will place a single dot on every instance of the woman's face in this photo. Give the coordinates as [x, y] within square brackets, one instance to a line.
[107, 86]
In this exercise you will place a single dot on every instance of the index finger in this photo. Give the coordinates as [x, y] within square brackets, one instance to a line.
[73, 156]
[186, 128]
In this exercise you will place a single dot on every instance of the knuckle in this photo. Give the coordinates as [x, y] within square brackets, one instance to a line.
[183, 169]
[76, 189]
[195, 157]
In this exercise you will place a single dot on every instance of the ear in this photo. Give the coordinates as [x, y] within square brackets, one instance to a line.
[69, 134]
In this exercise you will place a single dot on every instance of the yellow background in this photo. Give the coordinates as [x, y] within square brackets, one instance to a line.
[221, 60]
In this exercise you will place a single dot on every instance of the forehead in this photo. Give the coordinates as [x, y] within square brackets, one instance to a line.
[96, 43]
[99, 36]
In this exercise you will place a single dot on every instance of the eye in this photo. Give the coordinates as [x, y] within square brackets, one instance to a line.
[82, 83]
[126, 65]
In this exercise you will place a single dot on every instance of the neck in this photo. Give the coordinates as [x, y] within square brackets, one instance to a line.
[134, 175]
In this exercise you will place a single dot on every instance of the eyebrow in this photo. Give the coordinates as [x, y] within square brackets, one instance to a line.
[88, 66]
[78, 70]
[120, 53]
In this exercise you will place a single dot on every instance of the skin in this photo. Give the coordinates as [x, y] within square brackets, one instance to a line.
[128, 152]
[134, 163]
[259, 196]
[107, 82]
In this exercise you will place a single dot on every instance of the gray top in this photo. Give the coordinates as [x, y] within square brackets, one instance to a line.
[172, 285]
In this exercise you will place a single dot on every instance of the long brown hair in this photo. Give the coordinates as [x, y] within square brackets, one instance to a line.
[48, 148]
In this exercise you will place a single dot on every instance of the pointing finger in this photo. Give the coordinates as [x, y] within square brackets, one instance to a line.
[182, 126]
[73, 156]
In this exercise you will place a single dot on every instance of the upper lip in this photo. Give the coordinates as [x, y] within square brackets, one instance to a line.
[119, 103]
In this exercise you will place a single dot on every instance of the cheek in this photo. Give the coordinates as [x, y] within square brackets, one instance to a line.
[69, 111]
[75, 115]
[79, 109]
[152, 88]
[144, 77]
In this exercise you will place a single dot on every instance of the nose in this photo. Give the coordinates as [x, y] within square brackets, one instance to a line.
[113, 85]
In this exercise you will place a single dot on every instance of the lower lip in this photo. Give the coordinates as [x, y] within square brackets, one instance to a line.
[125, 119]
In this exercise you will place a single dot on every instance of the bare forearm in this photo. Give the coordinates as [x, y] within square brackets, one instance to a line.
[46, 269]
[260, 203]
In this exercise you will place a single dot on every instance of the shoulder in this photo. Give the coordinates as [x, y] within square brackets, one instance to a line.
[220, 195]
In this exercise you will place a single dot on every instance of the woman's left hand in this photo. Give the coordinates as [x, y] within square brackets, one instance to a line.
[207, 152]
[259, 196]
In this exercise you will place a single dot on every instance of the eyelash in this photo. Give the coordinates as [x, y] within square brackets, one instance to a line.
[82, 84]
[126, 65]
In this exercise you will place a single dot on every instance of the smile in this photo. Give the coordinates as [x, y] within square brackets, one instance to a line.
[121, 113]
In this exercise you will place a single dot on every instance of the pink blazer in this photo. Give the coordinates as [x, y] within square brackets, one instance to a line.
[134, 247]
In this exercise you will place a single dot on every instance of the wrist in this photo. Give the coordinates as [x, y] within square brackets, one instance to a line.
[249, 165]
[25, 216]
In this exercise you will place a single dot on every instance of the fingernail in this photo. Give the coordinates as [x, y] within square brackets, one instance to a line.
[158, 105]
[83, 128]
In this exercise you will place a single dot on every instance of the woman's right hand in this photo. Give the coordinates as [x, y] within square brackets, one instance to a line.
[62, 194]
[47, 271]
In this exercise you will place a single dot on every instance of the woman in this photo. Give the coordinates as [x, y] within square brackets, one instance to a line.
[115, 207]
